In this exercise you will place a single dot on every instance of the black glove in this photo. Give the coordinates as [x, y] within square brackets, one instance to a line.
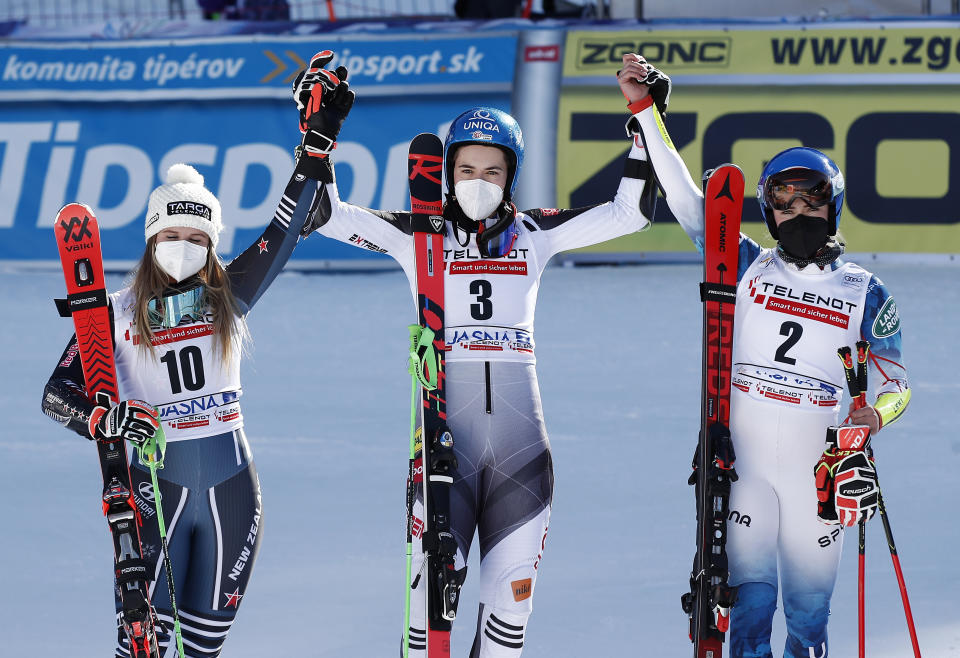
[659, 84]
[324, 99]
[133, 420]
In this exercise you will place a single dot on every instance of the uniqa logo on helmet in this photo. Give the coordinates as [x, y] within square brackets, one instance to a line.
[482, 119]
[473, 124]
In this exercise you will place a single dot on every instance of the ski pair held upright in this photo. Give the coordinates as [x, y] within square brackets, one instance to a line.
[436, 461]
[710, 597]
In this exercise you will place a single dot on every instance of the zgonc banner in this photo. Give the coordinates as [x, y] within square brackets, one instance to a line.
[100, 123]
[880, 100]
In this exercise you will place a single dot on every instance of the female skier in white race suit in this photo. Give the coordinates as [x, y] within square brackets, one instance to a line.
[796, 304]
[494, 257]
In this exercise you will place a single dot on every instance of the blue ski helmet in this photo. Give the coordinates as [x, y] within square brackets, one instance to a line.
[805, 173]
[486, 126]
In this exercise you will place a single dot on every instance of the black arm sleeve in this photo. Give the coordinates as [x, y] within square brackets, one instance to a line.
[65, 395]
[252, 272]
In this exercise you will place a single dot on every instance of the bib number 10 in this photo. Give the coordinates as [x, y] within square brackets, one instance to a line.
[185, 369]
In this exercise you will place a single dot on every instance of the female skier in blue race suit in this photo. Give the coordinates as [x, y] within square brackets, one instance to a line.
[796, 304]
[178, 332]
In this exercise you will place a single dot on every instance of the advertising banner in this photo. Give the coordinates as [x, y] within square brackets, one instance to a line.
[61, 140]
[778, 55]
[248, 67]
[898, 146]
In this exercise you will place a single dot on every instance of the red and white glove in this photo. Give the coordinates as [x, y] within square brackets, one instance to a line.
[133, 420]
[324, 99]
[847, 489]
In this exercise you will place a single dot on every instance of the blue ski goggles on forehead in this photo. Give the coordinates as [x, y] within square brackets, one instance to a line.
[497, 241]
[785, 187]
[174, 309]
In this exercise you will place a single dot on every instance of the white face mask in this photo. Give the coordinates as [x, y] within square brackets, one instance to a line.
[478, 198]
[180, 258]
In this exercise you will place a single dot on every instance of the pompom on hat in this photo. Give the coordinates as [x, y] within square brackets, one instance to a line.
[183, 201]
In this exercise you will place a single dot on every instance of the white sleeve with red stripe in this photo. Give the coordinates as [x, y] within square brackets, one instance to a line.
[603, 222]
[363, 228]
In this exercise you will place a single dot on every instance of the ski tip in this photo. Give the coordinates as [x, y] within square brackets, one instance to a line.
[427, 144]
[74, 207]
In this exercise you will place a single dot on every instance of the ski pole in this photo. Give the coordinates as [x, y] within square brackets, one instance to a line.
[148, 457]
[859, 399]
[900, 581]
[415, 331]
[863, 348]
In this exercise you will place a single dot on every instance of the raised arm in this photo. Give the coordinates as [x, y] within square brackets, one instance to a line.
[252, 272]
[682, 193]
[324, 100]
[631, 208]
[320, 123]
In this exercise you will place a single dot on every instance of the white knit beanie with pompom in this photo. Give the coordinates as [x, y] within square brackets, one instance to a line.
[183, 201]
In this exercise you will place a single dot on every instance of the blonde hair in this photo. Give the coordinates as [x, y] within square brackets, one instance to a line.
[150, 282]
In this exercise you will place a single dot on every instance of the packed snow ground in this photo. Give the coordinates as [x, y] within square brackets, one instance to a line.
[326, 397]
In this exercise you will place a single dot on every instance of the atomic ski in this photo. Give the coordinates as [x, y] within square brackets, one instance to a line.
[710, 598]
[78, 239]
[436, 460]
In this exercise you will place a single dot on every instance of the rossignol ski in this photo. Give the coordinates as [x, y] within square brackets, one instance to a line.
[78, 240]
[710, 598]
[436, 460]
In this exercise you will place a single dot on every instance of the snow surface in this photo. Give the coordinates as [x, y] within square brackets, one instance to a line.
[326, 397]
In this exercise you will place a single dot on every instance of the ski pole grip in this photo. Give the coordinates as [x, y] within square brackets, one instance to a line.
[846, 356]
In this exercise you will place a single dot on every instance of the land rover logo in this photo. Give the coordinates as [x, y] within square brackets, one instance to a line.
[888, 320]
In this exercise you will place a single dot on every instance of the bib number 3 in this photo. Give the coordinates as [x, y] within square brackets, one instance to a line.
[483, 309]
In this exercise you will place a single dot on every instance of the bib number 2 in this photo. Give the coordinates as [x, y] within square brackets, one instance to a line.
[793, 331]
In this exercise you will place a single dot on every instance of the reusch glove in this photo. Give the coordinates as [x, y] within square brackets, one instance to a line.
[846, 479]
[324, 100]
[856, 492]
[132, 420]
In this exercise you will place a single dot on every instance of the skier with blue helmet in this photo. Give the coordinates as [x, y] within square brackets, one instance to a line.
[807, 175]
[796, 304]
[472, 201]
[494, 256]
